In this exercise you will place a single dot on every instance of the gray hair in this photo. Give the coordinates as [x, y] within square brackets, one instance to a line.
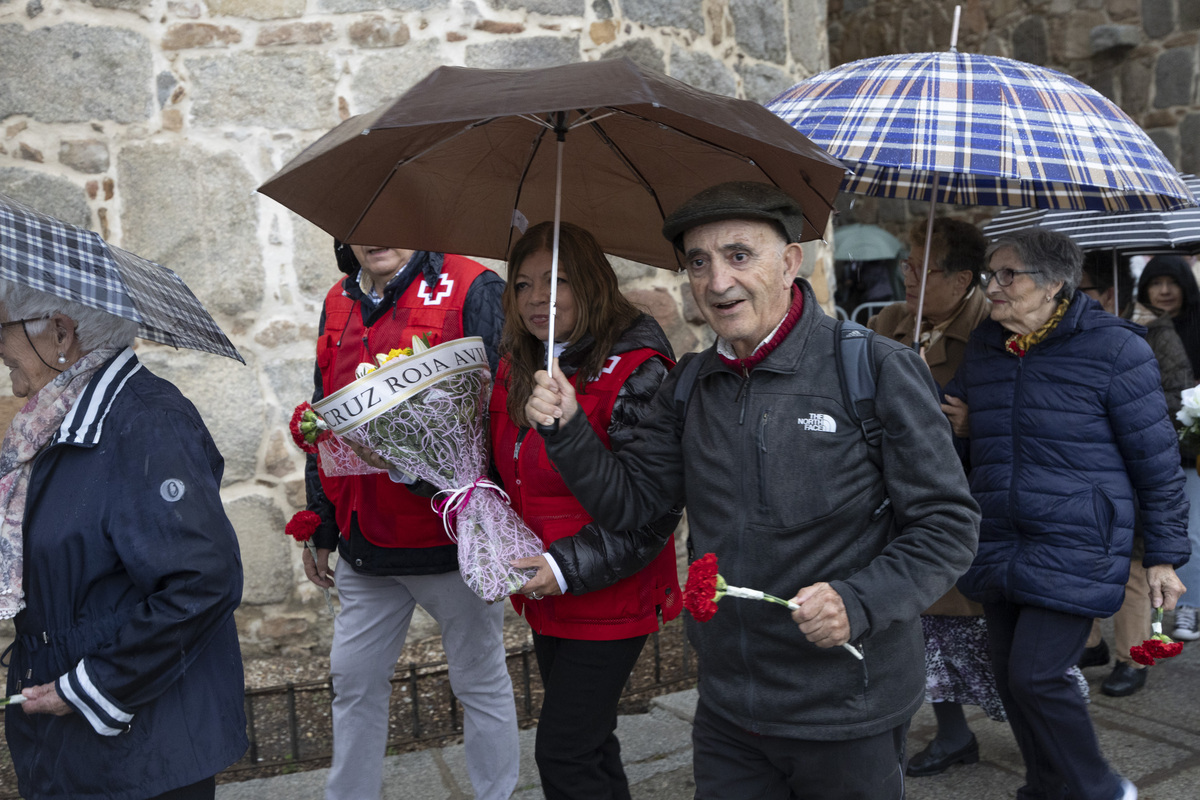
[1052, 254]
[93, 328]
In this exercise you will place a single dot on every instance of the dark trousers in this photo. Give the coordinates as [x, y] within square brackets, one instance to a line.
[577, 752]
[734, 764]
[200, 790]
[1032, 649]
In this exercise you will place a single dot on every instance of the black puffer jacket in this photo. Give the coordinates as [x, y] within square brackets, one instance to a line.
[595, 557]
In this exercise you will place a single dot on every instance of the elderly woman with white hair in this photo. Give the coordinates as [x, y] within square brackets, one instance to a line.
[118, 564]
[1068, 435]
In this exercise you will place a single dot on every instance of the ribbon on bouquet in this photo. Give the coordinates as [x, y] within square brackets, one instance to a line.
[455, 500]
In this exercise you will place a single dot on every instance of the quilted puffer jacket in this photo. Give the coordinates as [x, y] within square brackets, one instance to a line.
[1064, 442]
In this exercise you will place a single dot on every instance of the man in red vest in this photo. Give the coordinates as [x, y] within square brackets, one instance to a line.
[394, 552]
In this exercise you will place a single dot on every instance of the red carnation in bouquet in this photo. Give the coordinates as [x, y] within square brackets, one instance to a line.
[308, 428]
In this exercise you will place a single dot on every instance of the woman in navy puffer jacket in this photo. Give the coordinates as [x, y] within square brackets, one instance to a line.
[1068, 430]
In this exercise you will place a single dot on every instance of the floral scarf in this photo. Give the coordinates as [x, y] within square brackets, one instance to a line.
[1019, 344]
[31, 429]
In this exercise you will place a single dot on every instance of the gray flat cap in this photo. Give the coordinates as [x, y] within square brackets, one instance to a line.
[736, 200]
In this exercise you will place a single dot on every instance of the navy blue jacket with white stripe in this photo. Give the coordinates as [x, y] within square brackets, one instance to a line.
[132, 573]
[1064, 443]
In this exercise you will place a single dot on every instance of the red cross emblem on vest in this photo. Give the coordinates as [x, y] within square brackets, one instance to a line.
[444, 287]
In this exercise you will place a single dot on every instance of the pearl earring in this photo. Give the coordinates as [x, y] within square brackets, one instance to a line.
[62, 358]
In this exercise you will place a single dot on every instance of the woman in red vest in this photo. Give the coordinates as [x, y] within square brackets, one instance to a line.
[597, 594]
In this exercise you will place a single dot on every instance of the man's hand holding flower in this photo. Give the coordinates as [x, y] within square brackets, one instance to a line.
[822, 615]
[1165, 586]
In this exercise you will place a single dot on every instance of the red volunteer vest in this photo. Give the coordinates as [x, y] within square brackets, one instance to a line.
[388, 514]
[625, 609]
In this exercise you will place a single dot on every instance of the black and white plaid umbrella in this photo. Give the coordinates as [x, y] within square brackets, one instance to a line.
[1145, 232]
[55, 257]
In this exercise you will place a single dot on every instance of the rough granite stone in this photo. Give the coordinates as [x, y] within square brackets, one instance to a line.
[256, 9]
[551, 8]
[50, 73]
[225, 393]
[1175, 77]
[292, 381]
[1109, 37]
[602, 9]
[807, 35]
[384, 77]
[261, 89]
[1135, 86]
[627, 270]
[660, 304]
[762, 83]
[51, 195]
[188, 35]
[84, 155]
[122, 5]
[536, 51]
[495, 26]
[1189, 15]
[665, 13]
[33, 8]
[603, 31]
[760, 29]
[27, 152]
[850, 6]
[195, 212]
[352, 6]
[375, 32]
[165, 83]
[1167, 140]
[702, 71]
[1189, 136]
[295, 33]
[1030, 41]
[1158, 17]
[641, 52]
[1070, 35]
[266, 556]
[313, 258]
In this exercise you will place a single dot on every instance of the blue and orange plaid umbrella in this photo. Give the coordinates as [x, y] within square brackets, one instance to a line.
[982, 130]
[979, 130]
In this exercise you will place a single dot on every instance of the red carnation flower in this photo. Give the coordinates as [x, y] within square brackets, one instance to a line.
[1138, 653]
[700, 593]
[303, 525]
[307, 428]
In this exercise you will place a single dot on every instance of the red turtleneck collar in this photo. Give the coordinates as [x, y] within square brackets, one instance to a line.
[745, 365]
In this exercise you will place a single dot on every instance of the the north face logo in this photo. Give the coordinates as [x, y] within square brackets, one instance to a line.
[444, 286]
[819, 422]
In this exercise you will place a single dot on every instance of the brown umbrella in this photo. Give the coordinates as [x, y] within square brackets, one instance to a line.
[465, 156]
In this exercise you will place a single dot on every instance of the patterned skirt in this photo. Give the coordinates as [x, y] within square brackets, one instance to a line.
[958, 668]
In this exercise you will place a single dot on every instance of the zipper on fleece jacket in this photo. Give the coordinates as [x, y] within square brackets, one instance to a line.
[1016, 461]
[743, 394]
[762, 457]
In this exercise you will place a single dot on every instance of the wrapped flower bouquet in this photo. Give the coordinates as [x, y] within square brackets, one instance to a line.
[425, 414]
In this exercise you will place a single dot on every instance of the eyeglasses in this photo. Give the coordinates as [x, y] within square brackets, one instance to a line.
[4, 325]
[1005, 276]
[914, 269]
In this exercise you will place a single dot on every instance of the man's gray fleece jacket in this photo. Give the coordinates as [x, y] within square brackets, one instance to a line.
[779, 484]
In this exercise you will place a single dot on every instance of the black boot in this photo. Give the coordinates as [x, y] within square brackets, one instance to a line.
[1094, 656]
[1124, 680]
[934, 761]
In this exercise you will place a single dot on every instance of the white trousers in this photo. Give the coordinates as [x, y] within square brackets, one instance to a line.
[368, 635]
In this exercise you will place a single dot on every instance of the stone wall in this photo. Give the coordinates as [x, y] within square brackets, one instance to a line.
[153, 121]
[1142, 54]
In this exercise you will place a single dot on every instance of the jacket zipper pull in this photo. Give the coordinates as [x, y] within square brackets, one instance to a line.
[45, 638]
[877, 513]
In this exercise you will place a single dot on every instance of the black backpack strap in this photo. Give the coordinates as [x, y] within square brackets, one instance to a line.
[857, 373]
[685, 387]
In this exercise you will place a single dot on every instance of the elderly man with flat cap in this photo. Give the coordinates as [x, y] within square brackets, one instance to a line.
[781, 484]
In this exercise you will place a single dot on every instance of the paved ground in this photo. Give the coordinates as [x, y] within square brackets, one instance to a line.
[1153, 738]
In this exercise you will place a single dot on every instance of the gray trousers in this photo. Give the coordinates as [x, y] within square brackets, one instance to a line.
[368, 635]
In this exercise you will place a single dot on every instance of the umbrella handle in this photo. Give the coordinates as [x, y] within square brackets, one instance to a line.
[548, 430]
